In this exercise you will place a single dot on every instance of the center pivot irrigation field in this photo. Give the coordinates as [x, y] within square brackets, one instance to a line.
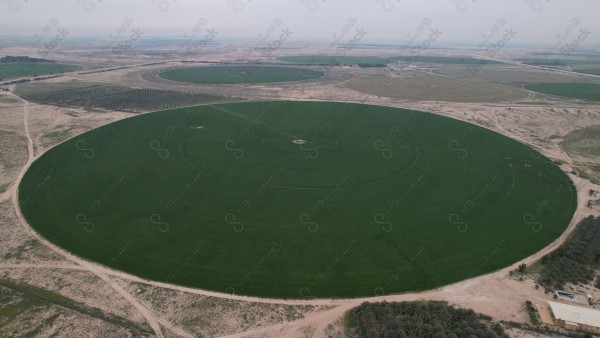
[239, 74]
[297, 199]
[586, 91]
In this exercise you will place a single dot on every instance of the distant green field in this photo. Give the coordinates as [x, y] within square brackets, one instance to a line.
[239, 74]
[587, 91]
[451, 60]
[559, 61]
[335, 60]
[580, 53]
[13, 70]
[297, 199]
[350, 60]
[593, 71]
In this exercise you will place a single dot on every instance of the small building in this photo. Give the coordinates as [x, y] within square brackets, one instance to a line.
[573, 317]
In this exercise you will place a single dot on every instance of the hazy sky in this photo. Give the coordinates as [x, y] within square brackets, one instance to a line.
[551, 22]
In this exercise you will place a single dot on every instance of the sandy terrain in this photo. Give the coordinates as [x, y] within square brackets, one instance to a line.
[170, 311]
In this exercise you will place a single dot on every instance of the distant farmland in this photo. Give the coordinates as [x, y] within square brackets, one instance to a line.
[239, 74]
[450, 60]
[29, 69]
[560, 62]
[593, 71]
[335, 60]
[373, 60]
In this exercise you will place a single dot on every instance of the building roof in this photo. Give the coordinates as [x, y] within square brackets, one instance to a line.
[575, 314]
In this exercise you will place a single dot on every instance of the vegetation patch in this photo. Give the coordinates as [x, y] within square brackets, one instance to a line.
[534, 316]
[378, 200]
[577, 260]
[419, 319]
[37, 296]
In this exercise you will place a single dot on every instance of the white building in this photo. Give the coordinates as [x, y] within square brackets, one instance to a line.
[573, 317]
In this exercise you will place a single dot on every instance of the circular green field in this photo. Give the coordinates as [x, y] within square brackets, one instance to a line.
[297, 199]
[239, 74]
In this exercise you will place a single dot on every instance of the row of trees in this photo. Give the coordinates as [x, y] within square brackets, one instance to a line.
[576, 260]
[420, 319]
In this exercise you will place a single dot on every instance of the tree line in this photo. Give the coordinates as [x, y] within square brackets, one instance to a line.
[432, 319]
[576, 260]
